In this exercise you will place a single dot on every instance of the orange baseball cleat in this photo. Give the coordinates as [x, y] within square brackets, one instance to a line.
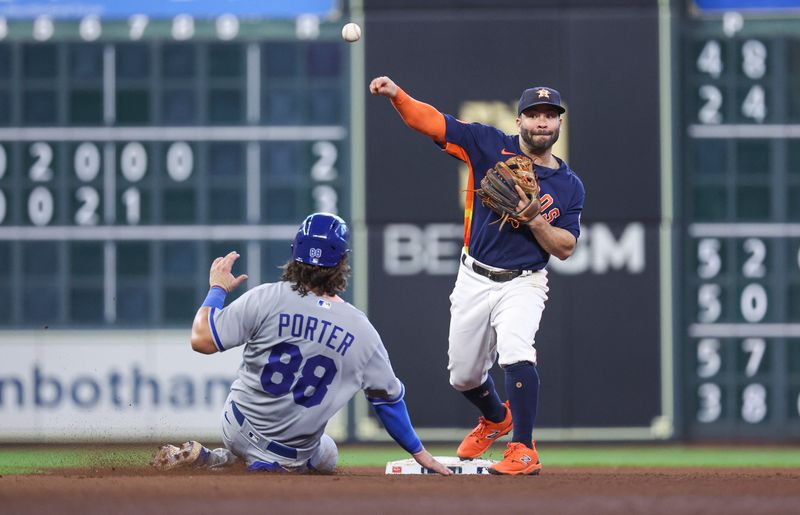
[518, 460]
[484, 435]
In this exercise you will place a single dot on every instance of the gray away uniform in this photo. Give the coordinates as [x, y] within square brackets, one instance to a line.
[304, 359]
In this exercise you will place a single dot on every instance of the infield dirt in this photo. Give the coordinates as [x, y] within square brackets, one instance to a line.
[365, 491]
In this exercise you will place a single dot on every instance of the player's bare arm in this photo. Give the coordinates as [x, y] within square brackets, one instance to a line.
[202, 341]
[556, 241]
[219, 276]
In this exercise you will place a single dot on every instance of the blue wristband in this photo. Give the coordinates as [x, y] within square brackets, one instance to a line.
[216, 297]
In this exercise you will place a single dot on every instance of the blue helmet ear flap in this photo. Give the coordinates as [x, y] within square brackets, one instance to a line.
[321, 240]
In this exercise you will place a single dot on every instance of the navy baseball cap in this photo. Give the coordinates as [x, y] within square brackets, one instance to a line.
[321, 240]
[540, 95]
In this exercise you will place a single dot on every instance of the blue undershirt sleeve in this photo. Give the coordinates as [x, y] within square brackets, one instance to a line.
[395, 419]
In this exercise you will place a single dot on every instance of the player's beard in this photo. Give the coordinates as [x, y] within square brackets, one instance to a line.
[536, 142]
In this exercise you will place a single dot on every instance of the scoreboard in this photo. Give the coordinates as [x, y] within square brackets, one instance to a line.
[136, 148]
[738, 172]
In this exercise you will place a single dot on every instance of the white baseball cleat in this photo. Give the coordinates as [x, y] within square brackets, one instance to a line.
[169, 457]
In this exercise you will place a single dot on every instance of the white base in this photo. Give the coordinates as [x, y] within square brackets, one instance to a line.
[456, 465]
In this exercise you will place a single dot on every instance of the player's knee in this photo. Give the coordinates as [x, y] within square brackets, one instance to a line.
[463, 382]
[325, 457]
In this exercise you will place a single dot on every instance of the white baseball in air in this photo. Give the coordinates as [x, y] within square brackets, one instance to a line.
[351, 32]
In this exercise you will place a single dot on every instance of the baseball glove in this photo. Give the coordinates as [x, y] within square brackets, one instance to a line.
[497, 191]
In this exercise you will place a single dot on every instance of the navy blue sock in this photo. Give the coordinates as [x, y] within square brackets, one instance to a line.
[486, 399]
[522, 387]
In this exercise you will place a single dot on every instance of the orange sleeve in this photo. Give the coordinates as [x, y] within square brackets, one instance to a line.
[420, 116]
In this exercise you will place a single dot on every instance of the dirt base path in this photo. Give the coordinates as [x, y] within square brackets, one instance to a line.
[368, 491]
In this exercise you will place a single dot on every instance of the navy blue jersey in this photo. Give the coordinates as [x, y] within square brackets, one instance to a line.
[561, 196]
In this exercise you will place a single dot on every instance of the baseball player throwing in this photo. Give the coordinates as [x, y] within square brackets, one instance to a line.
[501, 287]
[306, 353]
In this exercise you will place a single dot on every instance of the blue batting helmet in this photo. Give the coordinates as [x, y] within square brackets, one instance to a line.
[321, 240]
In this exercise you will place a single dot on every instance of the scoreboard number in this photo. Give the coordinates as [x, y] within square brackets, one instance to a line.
[710, 59]
[753, 303]
[180, 161]
[133, 161]
[754, 54]
[182, 27]
[708, 357]
[40, 206]
[754, 403]
[227, 27]
[132, 200]
[42, 155]
[323, 168]
[709, 112]
[755, 104]
[89, 200]
[43, 28]
[324, 171]
[755, 347]
[133, 166]
[753, 300]
[754, 265]
[87, 162]
[137, 25]
[754, 59]
[710, 396]
[710, 262]
[708, 301]
[325, 199]
[90, 28]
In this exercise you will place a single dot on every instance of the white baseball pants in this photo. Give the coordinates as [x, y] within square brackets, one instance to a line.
[490, 319]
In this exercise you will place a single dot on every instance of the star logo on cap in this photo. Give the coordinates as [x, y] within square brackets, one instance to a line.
[543, 93]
